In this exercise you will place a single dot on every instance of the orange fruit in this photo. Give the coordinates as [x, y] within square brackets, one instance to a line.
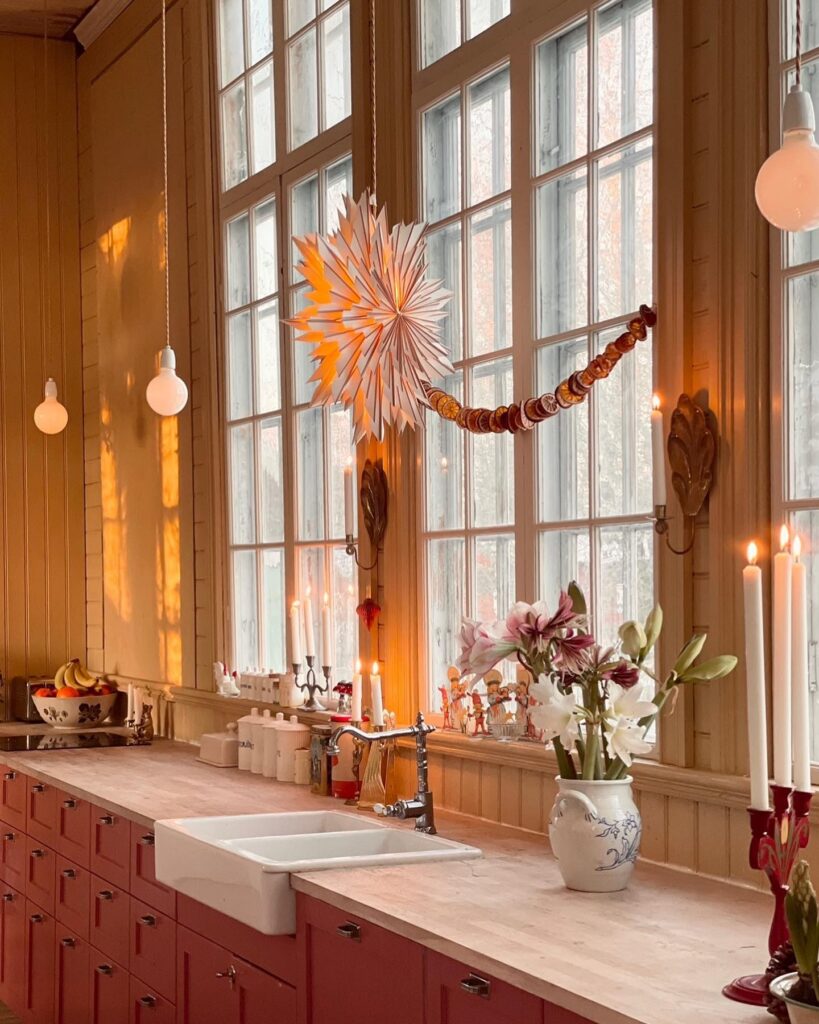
[104, 689]
[68, 691]
[44, 692]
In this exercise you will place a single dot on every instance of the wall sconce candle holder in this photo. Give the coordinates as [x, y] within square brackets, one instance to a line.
[692, 447]
[311, 686]
[373, 496]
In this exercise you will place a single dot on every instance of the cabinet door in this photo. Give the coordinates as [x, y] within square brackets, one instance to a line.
[42, 812]
[150, 1007]
[71, 900]
[13, 797]
[204, 982]
[41, 868]
[13, 857]
[39, 969]
[12, 948]
[143, 877]
[110, 995]
[72, 994]
[458, 995]
[111, 846]
[260, 997]
[73, 828]
[153, 948]
[109, 920]
[376, 968]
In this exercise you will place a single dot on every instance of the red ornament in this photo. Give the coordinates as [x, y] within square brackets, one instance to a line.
[368, 611]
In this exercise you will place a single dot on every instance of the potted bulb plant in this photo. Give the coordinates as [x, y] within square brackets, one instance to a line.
[596, 706]
[800, 989]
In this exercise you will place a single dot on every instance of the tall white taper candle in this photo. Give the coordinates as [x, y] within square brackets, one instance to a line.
[783, 582]
[800, 709]
[755, 680]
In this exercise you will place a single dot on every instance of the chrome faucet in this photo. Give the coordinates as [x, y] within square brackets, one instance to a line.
[420, 806]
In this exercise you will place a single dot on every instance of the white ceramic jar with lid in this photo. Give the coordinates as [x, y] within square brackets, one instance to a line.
[246, 739]
[220, 748]
[292, 736]
[270, 745]
[256, 735]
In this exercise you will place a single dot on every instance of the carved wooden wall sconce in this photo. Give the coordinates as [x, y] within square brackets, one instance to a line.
[373, 498]
[692, 448]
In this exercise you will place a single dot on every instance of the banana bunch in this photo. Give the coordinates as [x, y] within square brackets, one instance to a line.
[74, 680]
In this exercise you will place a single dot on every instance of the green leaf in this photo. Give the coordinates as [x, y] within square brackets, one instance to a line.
[654, 626]
[803, 919]
[714, 668]
[689, 654]
[578, 599]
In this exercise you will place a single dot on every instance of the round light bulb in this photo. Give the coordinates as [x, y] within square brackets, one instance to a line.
[787, 185]
[50, 416]
[166, 393]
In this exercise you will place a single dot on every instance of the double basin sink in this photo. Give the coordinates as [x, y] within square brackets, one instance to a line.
[241, 864]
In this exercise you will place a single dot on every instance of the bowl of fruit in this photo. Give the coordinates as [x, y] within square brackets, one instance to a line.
[75, 699]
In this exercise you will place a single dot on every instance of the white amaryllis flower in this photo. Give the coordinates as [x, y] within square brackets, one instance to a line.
[557, 714]
[630, 703]
[624, 739]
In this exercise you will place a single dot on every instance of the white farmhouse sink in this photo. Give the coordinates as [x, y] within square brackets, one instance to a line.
[241, 865]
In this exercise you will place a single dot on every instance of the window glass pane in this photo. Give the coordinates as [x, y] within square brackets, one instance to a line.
[264, 119]
[624, 230]
[304, 215]
[442, 159]
[444, 264]
[489, 136]
[494, 577]
[446, 602]
[440, 28]
[338, 183]
[480, 14]
[245, 610]
[444, 454]
[268, 379]
[299, 12]
[265, 255]
[562, 211]
[272, 494]
[344, 597]
[260, 29]
[564, 556]
[335, 47]
[238, 262]
[623, 405]
[310, 573]
[804, 245]
[806, 524]
[234, 136]
[240, 366]
[231, 40]
[626, 578]
[563, 440]
[625, 69]
[274, 609]
[242, 481]
[302, 78]
[310, 456]
[490, 278]
[303, 365]
[803, 374]
[562, 98]
[340, 439]
[810, 27]
[493, 463]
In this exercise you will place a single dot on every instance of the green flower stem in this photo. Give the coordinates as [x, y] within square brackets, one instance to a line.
[590, 765]
[565, 763]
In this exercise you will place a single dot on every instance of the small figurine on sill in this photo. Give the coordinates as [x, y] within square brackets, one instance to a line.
[445, 708]
[478, 715]
[458, 692]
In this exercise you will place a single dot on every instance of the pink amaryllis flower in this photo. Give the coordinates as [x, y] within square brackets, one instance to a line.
[624, 674]
[534, 628]
[571, 652]
[483, 645]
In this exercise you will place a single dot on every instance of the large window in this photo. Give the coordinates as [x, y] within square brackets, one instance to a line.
[537, 181]
[284, 460]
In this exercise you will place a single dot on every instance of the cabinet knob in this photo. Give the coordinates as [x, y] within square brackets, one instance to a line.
[147, 1001]
[104, 969]
[348, 930]
[36, 918]
[69, 804]
[148, 839]
[38, 787]
[8, 897]
[106, 819]
[105, 894]
[9, 837]
[68, 943]
[69, 873]
[476, 986]
[229, 973]
[38, 853]
[148, 920]
[10, 776]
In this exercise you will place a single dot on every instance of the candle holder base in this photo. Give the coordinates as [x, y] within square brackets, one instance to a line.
[312, 686]
[751, 989]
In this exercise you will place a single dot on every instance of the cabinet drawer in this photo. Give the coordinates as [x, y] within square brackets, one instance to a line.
[111, 846]
[13, 863]
[109, 919]
[13, 797]
[73, 828]
[143, 878]
[72, 994]
[72, 888]
[12, 947]
[42, 811]
[153, 948]
[456, 994]
[110, 991]
[40, 874]
[39, 972]
[150, 1007]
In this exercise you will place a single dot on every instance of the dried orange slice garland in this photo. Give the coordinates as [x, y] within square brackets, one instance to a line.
[571, 391]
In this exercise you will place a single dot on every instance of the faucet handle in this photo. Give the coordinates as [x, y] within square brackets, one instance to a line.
[381, 810]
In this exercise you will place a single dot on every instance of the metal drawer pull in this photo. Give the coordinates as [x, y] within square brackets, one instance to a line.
[148, 920]
[105, 894]
[230, 974]
[9, 837]
[348, 930]
[476, 986]
[148, 840]
[147, 1001]
[36, 918]
[104, 969]
[69, 873]
[10, 776]
[38, 787]
[68, 943]
[106, 819]
[8, 897]
[38, 853]
[69, 804]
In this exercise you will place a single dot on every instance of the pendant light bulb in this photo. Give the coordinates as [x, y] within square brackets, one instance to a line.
[51, 416]
[166, 393]
[787, 186]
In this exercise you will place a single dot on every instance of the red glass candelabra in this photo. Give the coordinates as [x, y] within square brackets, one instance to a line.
[777, 836]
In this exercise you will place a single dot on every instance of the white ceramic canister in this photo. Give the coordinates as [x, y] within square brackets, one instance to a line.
[292, 737]
[302, 767]
[270, 745]
[246, 739]
[594, 831]
[256, 735]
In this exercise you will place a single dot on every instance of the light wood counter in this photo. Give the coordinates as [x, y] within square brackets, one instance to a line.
[658, 953]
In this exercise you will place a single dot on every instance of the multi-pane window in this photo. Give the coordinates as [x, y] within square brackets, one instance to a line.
[795, 311]
[284, 460]
[445, 24]
[564, 166]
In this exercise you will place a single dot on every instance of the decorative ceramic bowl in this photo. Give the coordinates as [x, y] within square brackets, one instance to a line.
[799, 1013]
[87, 711]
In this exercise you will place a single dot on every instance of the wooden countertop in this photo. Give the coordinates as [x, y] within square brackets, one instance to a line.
[658, 953]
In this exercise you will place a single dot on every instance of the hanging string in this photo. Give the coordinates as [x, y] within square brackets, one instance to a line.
[165, 176]
[799, 42]
[47, 280]
[373, 122]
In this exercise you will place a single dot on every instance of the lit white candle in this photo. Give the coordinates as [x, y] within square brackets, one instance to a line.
[348, 498]
[755, 680]
[799, 674]
[782, 625]
[376, 697]
[657, 451]
[355, 710]
[326, 632]
[309, 638]
[130, 711]
[295, 634]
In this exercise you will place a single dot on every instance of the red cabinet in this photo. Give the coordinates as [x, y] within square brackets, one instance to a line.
[383, 968]
[458, 995]
[143, 877]
[111, 846]
[38, 1002]
[110, 991]
[71, 899]
[12, 946]
[73, 828]
[13, 797]
[109, 920]
[72, 993]
[13, 857]
[42, 812]
[153, 948]
[150, 1007]
[40, 874]
[261, 997]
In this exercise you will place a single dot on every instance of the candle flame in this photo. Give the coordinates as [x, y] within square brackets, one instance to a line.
[308, 592]
[796, 547]
[375, 668]
[753, 552]
[349, 463]
[295, 604]
[358, 666]
[444, 462]
[326, 598]
[784, 537]
[655, 401]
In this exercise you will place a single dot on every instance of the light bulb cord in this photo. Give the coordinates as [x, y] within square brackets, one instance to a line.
[373, 120]
[165, 176]
[46, 108]
[799, 44]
